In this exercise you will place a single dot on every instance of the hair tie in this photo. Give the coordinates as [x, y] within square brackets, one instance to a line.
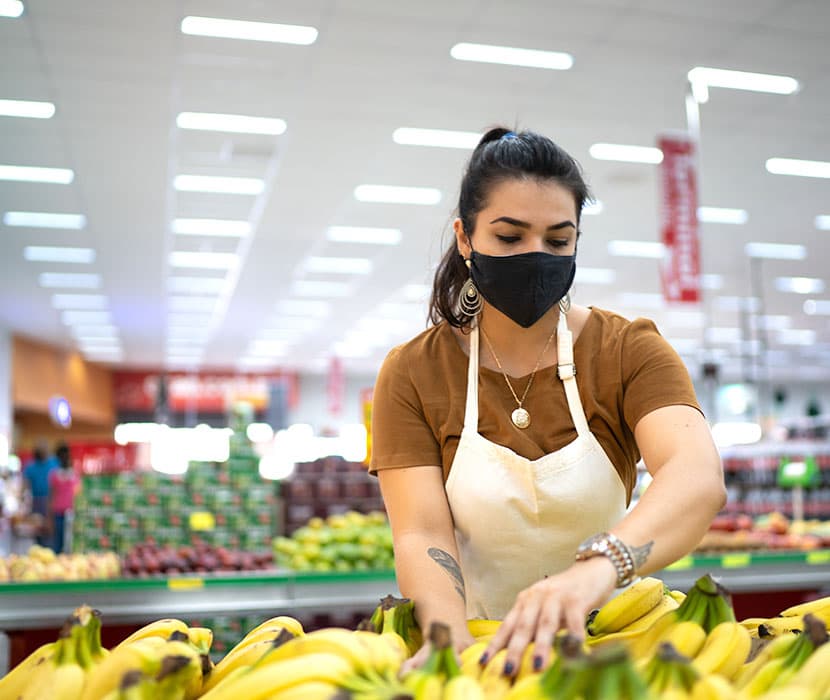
[509, 135]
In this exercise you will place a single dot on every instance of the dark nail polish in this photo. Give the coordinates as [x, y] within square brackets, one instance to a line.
[508, 668]
[537, 663]
[483, 658]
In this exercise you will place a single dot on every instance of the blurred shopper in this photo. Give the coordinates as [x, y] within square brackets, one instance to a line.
[64, 484]
[36, 481]
[508, 497]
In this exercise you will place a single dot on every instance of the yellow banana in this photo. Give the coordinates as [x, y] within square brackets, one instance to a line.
[628, 606]
[526, 664]
[819, 607]
[260, 634]
[201, 638]
[725, 650]
[495, 687]
[773, 649]
[481, 628]
[287, 622]
[527, 688]
[236, 658]
[142, 655]
[159, 628]
[430, 687]
[331, 640]
[686, 637]
[666, 604]
[790, 693]
[386, 652]
[469, 659]
[67, 682]
[310, 690]
[16, 680]
[181, 667]
[774, 626]
[713, 687]
[265, 681]
[679, 596]
[494, 667]
[463, 688]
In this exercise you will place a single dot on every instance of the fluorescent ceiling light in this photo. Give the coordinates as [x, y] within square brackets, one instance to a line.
[58, 254]
[232, 123]
[770, 322]
[197, 285]
[192, 303]
[183, 360]
[443, 138]
[717, 334]
[289, 323]
[312, 288]
[348, 266]
[823, 222]
[507, 55]
[25, 173]
[34, 219]
[799, 285]
[803, 168]
[205, 261]
[112, 354]
[729, 303]
[793, 336]
[594, 275]
[187, 332]
[642, 300]
[211, 227]
[11, 8]
[593, 208]
[303, 307]
[175, 345]
[250, 31]
[190, 320]
[364, 234]
[813, 307]
[100, 340]
[711, 281]
[255, 361]
[637, 249]
[86, 317]
[741, 80]
[218, 184]
[390, 194]
[626, 154]
[69, 280]
[27, 109]
[722, 215]
[79, 301]
[775, 251]
[94, 331]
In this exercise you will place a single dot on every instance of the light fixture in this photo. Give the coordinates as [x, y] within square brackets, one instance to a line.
[442, 138]
[249, 31]
[289, 323]
[738, 304]
[823, 222]
[511, 56]
[69, 280]
[33, 219]
[775, 251]
[711, 281]
[26, 109]
[304, 308]
[625, 153]
[813, 307]
[703, 78]
[94, 331]
[364, 234]
[231, 123]
[247, 361]
[347, 266]
[799, 285]
[176, 333]
[94, 318]
[197, 285]
[722, 215]
[79, 301]
[105, 343]
[391, 194]
[58, 254]
[267, 348]
[594, 275]
[723, 334]
[314, 288]
[215, 184]
[203, 260]
[770, 322]
[11, 8]
[211, 227]
[593, 208]
[259, 432]
[26, 173]
[797, 336]
[802, 168]
[189, 320]
[192, 303]
[637, 249]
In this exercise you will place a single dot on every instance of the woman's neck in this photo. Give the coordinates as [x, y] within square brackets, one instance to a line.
[518, 349]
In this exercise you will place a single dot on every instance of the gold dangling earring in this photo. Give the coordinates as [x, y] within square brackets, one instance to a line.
[469, 298]
[565, 303]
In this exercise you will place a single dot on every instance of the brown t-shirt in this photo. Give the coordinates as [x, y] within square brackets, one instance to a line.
[625, 369]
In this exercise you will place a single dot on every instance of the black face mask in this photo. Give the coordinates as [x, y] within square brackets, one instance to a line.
[523, 287]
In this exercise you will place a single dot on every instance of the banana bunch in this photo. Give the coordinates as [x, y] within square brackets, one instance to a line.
[631, 605]
[397, 615]
[819, 608]
[669, 672]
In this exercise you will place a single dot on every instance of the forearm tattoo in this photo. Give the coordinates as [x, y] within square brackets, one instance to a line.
[640, 554]
[445, 561]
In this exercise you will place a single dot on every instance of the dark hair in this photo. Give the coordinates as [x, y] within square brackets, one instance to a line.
[500, 155]
[62, 453]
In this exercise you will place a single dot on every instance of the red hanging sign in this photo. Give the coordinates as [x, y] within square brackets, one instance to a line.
[680, 269]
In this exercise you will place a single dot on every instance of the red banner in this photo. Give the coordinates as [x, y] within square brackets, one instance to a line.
[680, 269]
[206, 392]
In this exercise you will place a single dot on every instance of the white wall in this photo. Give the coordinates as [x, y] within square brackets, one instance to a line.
[312, 406]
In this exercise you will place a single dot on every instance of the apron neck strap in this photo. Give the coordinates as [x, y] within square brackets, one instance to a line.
[471, 411]
[567, 373]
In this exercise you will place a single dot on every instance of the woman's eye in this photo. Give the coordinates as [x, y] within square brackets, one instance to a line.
[559, 243]
[508, 239]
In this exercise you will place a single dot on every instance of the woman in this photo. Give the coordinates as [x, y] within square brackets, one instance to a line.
[64, 485]
[507, 465]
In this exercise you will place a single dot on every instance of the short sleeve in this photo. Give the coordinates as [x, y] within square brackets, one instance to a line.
[401, 434]
[654, 376]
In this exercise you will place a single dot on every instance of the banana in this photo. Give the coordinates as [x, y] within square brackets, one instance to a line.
[686, 637]
[482, 628]
[775, 626]
[527, 688]
[469, 659]
[386, 652]
[237, 658]
[666, 604]
[332, 640]
[142, 655]
[817, 607]
[201, 638]
[266, 681]
[814, 674]
[679, 596]
[726, 648]
[310, 690]
[628, 606]
[495, 687]
[494, 667]
[159, 628]
[16, 680]
[773, 649]
[713, 687]
[463, 688]
[287, 622]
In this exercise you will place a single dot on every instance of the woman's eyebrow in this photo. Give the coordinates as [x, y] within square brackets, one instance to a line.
[524, 224]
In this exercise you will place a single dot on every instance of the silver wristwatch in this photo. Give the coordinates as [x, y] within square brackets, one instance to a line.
[605, 544]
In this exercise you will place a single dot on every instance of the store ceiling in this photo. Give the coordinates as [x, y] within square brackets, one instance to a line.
[119, 74]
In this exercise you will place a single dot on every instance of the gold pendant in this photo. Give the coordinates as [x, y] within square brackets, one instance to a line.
[520, 418]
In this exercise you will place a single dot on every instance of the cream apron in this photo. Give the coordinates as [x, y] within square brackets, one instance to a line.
[516, 519]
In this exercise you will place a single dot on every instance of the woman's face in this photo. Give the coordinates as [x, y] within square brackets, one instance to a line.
[522, 216]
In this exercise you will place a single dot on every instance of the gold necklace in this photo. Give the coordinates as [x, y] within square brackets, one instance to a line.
[520, 415]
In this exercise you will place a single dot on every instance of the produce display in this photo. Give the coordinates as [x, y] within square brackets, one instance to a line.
[42, 564]
[350, 541]
[771, 531]
[148, 559]
[647, 643]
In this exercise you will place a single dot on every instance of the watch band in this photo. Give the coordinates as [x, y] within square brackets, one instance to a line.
[608, 545]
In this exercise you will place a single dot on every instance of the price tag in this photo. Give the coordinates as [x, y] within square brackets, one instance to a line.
[185, 584]
[739, 560]
[821, 556]
[201, 520]
[682, 564]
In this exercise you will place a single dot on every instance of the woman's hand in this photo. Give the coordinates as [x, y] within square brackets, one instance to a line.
[554, 603]
[461, 639]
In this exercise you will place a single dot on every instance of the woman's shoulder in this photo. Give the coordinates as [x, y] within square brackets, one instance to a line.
[610, 327]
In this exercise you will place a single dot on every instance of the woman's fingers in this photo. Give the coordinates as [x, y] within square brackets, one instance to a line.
[549, 623]
[415, 661]
[525, 631]
[502, 636]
